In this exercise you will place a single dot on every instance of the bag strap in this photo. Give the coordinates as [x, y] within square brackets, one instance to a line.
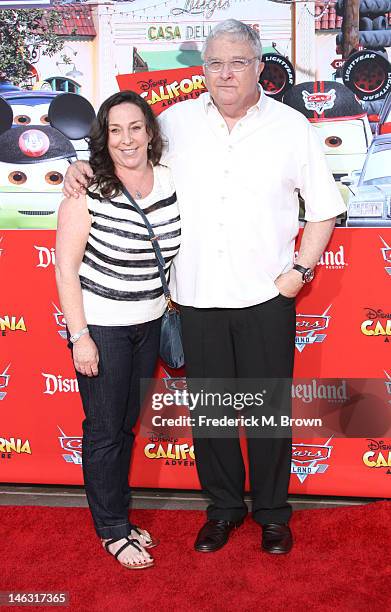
[156, 247]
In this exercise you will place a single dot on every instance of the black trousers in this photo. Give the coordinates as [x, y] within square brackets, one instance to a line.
[111, 403]
[254, 342]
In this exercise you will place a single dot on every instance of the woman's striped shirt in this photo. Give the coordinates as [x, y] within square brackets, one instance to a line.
[119, 276]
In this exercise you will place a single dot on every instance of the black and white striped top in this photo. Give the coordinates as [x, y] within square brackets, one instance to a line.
[119, 275]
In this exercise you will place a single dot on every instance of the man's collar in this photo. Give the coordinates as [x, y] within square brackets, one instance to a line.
[209, 103]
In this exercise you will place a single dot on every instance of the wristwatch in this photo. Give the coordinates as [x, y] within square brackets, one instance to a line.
[307, 274]
[79, 334]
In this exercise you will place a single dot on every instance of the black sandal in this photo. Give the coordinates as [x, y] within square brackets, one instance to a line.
[130, 542]
[148, 543]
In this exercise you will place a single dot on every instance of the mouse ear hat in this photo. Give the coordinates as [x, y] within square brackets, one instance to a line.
[6, 116]
[72, 115]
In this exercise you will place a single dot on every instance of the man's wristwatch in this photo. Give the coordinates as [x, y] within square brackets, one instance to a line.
[75, 337]
[307, 274]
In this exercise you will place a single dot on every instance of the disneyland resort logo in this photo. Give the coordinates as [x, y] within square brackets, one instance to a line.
[46, 256]
[377, 323]
[334, 259]
[56, 383]
[167, 449]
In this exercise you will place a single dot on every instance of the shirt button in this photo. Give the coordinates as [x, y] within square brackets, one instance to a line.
[220, 251]
[222, 125]
[226, 171]
[230, 147]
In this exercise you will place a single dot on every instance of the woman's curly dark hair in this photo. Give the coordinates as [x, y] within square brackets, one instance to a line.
[105, 178]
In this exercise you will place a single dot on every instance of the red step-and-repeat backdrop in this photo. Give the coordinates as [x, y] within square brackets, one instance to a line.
[343, 333]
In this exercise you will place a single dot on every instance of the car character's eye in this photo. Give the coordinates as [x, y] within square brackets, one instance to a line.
[333, 141]
[44, 119]
[22, 119]
[17, 177]
[54, 178]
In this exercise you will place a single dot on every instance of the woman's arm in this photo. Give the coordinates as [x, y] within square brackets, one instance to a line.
[74, 224]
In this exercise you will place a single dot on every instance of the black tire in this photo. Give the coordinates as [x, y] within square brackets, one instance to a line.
[376, 39]
[368, 75]
[379, 23]
[366, 24]
[368, 7]
[278, 75]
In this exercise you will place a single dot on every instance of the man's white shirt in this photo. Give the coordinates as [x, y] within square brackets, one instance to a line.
[238, 200]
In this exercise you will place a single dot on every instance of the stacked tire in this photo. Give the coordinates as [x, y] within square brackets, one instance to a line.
[374, 30]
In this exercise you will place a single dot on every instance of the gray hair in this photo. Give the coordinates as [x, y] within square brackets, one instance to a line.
[238, 30]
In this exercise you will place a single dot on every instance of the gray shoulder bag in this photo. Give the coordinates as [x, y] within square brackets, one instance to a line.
[171, 346]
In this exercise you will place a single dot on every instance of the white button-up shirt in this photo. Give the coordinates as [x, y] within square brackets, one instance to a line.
[237, 195]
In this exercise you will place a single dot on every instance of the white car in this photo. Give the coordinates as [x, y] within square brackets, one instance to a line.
[370, 198]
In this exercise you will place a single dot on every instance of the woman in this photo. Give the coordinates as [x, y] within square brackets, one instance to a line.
[112, 300]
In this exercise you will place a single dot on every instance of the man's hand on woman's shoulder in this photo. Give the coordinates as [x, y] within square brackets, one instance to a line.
[77, 178]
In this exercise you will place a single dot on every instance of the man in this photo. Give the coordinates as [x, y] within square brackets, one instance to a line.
[239, 159]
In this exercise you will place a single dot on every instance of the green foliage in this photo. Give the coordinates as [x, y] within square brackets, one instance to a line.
[24, 34]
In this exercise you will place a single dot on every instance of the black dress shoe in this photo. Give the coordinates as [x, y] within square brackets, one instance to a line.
[214, 535]
[276, 538]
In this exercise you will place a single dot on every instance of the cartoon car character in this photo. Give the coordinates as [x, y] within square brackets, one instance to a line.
[32, 107]
[370, 200]
[34, 158]
[340, 121]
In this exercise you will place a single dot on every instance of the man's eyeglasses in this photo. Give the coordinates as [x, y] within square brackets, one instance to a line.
[237, 65]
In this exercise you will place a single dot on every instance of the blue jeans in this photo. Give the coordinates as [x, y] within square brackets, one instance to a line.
[111, 403]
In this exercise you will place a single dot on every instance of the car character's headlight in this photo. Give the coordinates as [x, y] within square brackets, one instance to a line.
[366, 209]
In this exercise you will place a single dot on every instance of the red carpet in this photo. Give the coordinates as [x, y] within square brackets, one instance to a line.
[341, 561]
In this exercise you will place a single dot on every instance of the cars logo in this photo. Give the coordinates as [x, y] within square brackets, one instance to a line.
[319, 102]
[306, 458]
[386, 252]
[4, 380]
[59, 317]
[73, 444]
[307, 327]
[175, 384]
